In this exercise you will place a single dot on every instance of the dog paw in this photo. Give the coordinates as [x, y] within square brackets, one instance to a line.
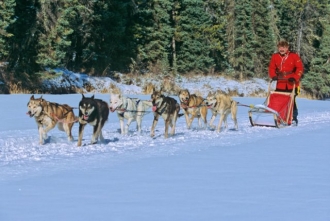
[44, 136]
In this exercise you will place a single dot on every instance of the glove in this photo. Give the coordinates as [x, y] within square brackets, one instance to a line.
[275, 78]
[292, 80]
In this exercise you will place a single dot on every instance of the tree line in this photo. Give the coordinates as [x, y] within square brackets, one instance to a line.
[230, 37]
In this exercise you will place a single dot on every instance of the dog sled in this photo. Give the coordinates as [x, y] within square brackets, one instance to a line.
[276, 111]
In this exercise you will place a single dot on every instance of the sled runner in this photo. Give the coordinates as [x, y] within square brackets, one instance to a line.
[276, 110]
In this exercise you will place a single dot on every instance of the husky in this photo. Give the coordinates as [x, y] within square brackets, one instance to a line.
[94, 112]
[131, 109]
[48, 115]
[193, 105]
[223, 105]
[168, 108]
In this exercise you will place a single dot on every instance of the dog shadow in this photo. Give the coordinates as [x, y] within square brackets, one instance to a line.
[48, 140]
[107, 141]
[104, 142]
[222, 129]
[169, 136]
[135, 132]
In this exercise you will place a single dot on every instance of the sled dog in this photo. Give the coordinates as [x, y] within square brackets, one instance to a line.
[193, 105]
[48, 114]
[94, 112]
[131, 109]
[223, 105]
[168, 108]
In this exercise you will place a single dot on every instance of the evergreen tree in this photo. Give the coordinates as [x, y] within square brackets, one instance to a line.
[193, 47]
[216, 32]
[264, 36]
[65, 25]
[22, 45]
[7, 9]
[230, 36]
[317, 81]
[273, 11]
[243, 56]
[298, 25]
[110, 44]
[153, 34]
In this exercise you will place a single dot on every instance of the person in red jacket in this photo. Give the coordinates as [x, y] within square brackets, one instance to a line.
[286, 68]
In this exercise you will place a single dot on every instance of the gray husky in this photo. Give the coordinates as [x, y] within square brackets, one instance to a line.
[94, 112]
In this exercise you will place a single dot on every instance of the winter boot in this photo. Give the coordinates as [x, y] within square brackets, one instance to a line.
[294, 121]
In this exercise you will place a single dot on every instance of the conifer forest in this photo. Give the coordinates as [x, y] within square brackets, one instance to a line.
[233, 38]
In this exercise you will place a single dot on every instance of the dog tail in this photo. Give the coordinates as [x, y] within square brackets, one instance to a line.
[178, 110]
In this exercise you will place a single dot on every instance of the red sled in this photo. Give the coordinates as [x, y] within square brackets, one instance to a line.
[275, 112]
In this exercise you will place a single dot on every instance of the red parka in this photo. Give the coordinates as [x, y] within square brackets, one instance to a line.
[285, 67]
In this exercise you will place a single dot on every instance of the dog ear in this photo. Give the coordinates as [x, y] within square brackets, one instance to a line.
[92, 97]
[82, 95]
[32, 97]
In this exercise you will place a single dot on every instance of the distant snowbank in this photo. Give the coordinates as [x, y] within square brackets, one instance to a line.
[82, 82]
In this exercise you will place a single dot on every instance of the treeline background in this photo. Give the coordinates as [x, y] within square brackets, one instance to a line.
[227, 37]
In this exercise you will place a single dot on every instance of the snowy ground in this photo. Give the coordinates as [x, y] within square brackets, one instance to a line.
[255, 173]
[68, 79]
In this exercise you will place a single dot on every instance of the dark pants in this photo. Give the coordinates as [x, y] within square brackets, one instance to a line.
[295, 109]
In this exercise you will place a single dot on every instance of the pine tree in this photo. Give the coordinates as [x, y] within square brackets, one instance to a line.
[54, 33]
[243, 55]
[298, 25]
[264, 36]
[154, 33]
[22, 44]
[7, 9]
[193, 47]
[109, 43]
[216, 32]
[317, 81]
[64, 27]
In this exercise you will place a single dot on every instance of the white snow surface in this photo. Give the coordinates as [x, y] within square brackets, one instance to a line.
[66, 79]
[252, 174]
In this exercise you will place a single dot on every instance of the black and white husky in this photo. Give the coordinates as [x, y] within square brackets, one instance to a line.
[168, 108]
[94, 112]
[131, 109]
